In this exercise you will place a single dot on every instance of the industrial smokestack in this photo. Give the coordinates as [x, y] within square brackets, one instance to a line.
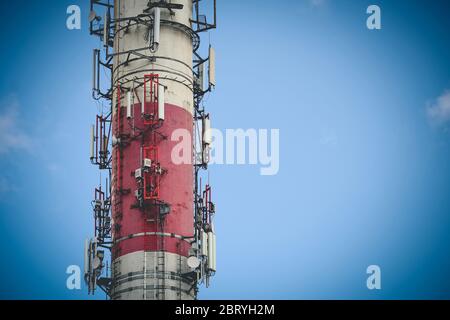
[160, 213]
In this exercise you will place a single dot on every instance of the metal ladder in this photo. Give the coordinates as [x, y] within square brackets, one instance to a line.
[180, 283]
[160, 262]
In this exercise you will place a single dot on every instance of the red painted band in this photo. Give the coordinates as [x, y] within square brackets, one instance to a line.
[176, 187]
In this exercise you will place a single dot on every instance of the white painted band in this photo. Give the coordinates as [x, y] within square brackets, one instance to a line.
[161, 234]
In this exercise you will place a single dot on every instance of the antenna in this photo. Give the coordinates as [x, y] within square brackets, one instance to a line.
[207, 137]
[95, 54]
[212, 66]
[154, 44]
[161, 102]
[129, 104]
[200, 80]
[93, 16]
[92, 142]
[106, 29]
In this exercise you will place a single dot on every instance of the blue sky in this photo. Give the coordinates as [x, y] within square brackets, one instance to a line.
[364, 120]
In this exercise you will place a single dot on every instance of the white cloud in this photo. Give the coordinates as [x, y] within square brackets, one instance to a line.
[12, 137]
[438, 112]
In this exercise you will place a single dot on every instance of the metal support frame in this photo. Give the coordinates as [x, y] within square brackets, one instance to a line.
[152, 176]
[100, 140]
[101, 207]
[200, 20]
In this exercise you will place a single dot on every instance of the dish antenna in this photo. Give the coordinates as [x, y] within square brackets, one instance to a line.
[93, 16]
[193, 262]
[97, 263]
